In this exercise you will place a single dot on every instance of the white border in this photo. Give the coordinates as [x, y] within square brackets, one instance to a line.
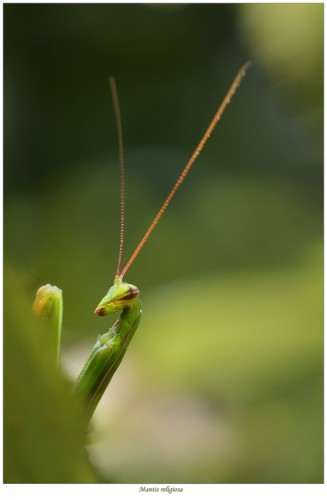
[117, 491]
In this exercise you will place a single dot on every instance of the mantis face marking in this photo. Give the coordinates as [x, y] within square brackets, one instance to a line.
[119, 296]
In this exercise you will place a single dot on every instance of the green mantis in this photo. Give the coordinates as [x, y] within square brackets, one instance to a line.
[110, 347]
[123, 297]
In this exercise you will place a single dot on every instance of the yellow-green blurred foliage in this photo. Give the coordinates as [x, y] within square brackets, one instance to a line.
[223, 381]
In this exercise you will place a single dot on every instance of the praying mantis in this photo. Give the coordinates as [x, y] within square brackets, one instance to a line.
[123, 297]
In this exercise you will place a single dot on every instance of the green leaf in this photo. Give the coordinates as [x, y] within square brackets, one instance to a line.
[44, 426]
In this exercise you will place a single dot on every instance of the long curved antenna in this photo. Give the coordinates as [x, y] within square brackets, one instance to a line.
[113, 87]
[188, 166]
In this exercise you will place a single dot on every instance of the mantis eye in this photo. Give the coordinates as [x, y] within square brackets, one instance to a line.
[131, 294]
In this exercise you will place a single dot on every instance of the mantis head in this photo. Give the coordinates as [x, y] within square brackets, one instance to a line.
[119, 296]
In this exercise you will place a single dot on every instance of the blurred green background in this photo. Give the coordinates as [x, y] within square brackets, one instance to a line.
[223, 382]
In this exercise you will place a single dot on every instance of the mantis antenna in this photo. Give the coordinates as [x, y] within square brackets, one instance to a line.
[231, 91]
[121, 170]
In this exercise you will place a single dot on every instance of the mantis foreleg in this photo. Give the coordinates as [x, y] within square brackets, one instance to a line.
[106, 356]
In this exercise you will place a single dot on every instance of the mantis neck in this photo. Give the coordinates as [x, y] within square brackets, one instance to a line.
[128, 322]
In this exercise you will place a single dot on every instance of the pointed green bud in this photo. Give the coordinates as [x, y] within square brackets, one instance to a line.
[48, 306]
